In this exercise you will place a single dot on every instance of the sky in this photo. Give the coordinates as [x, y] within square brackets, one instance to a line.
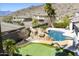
[16, 6]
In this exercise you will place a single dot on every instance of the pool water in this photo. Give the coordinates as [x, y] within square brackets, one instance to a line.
[56, 35]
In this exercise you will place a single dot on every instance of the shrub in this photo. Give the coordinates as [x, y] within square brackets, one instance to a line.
[34, 22]
[10, 47]
[64, 52]
[63, 23]
[44, 26]
[20, 23]
[69, 53]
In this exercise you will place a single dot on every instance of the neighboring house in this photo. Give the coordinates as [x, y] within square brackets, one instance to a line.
[75, 22]
[20, 19]
[41, 18]
[27, 20]
[11, 31]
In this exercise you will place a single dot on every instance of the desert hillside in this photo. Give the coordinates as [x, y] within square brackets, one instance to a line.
[61, 9]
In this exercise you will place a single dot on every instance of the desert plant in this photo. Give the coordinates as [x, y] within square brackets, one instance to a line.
[66, 20]
[63, 23]
[10, 46]
[43, 26]
[34, 22]
[64, 52]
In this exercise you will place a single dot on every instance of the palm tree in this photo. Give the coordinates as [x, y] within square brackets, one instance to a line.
[50, 12]
[10, 46]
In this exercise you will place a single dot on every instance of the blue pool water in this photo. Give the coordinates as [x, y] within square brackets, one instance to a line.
[56, 35]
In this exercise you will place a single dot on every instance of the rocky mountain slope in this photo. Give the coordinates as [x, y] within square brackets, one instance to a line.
[61, 9]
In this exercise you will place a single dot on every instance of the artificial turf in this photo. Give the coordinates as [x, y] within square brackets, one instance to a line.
[36, 49]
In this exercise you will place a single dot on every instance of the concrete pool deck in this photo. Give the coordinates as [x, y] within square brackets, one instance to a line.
[38, 39]
[64, 44]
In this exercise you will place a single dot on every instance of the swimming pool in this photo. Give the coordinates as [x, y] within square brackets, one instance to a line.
[56, 35]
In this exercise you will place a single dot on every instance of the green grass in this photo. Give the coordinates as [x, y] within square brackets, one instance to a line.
[36, 49]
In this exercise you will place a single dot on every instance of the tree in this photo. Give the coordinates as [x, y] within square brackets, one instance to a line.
[10, 46]
[50, 12]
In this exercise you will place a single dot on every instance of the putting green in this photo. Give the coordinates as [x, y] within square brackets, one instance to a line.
[36, 49]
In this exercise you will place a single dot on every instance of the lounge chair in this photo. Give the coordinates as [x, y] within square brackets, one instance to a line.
[63, 44]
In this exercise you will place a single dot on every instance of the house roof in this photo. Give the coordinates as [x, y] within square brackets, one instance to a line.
[22, 16]
[77, 25]
[6, 27]
[75, 19]
[45, 14]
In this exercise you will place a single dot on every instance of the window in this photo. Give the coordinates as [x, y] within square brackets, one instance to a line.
[41, 20]
[27, 19]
